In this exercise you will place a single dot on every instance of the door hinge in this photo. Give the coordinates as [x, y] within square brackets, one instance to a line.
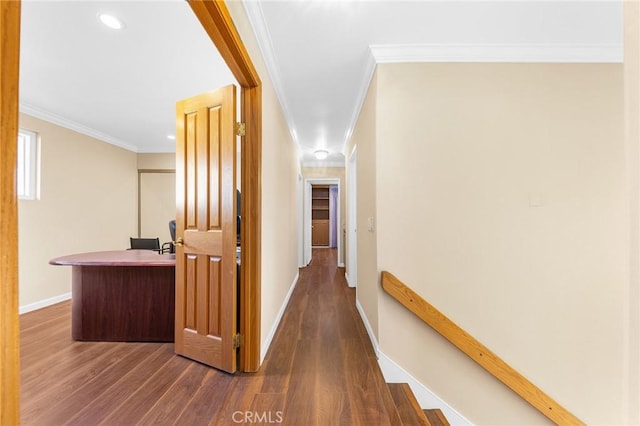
[238, 340]
[240, 129]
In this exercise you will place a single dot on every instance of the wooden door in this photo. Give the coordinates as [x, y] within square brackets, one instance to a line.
[206, 227]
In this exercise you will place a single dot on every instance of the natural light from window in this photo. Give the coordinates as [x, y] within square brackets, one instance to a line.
[28, 165]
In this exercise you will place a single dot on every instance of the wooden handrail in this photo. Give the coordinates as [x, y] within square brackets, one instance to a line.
[477, 351]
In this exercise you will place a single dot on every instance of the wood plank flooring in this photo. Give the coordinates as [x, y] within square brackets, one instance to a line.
[320, 370]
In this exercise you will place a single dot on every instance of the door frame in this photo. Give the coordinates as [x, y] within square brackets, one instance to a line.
[9, 320]
[217, 22]
[351, 269]
[301, 234]
[307, 214]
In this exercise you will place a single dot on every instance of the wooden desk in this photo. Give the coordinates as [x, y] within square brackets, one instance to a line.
[122, 296]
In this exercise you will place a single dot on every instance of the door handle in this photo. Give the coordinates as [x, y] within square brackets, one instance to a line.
[179, 242]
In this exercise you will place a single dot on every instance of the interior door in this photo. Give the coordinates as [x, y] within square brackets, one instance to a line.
[206, 229]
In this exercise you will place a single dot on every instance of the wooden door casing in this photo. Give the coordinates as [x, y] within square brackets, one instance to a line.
[9, 323]
[206, 298]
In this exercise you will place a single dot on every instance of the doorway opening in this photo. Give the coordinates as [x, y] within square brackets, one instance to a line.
[322, 217]
[216, 21]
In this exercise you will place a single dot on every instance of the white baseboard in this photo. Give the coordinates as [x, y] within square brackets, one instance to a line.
[349, 283]
[44, 303]
[367, 325]
[276, 323]
[393, 373]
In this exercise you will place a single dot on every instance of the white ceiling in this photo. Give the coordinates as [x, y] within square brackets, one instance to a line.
[122, 86]
[119, 86]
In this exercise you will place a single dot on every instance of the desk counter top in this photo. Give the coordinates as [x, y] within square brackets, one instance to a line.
[117, 258]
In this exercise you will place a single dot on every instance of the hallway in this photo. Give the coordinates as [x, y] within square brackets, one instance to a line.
[320, 370]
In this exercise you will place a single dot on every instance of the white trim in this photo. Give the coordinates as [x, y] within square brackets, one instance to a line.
[307, 215]
[76, 127]
[367, 325]
[300, 193]
[349, 283]
[276, 323]
[44, 303]
[527, 53]
[561, 53]
[393, 373]
[370, 68]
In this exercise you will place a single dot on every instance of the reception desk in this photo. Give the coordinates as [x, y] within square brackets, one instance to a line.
[126, 295]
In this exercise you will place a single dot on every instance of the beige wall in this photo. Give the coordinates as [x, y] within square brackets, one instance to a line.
[280, 168]
[157, 204]
[632, 119]
[364, 140]
[157, 194]
[332, 173]
[87, 203]
[156, 161]
[501, 199]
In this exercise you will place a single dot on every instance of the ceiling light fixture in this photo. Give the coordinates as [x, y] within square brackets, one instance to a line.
[321, 154]
[110, 21]
[172, 137]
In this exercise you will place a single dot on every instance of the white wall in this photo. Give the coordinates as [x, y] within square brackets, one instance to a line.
[501, 198]
[88, 203]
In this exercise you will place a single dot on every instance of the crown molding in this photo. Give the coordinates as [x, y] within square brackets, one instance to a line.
[322, 164]
[508, 53]
[253, 9]
[370, 68]
[72, 125]
[523, 53]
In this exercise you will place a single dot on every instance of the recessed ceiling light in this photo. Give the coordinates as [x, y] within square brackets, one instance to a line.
[172, 137]
[110, 21]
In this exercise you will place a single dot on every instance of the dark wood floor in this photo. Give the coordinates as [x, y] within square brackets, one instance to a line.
[320, 370]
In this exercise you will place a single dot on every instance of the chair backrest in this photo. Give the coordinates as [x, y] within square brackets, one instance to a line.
[172, 229]
[145, 243]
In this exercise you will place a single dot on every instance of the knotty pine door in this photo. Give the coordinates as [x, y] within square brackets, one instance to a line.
[206, 304]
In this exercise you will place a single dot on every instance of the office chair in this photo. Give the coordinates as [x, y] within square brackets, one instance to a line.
[170, 247]
[172, 229]
[145, 243]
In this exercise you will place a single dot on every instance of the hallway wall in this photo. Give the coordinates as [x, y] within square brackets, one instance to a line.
[368, 288]
[507, 210]
[280, 168]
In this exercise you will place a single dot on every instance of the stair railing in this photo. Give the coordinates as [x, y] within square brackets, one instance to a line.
[477, 351]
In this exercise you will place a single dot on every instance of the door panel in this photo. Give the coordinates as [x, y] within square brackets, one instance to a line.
[206, 221]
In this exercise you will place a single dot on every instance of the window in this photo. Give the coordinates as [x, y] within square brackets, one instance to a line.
[28, 165]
